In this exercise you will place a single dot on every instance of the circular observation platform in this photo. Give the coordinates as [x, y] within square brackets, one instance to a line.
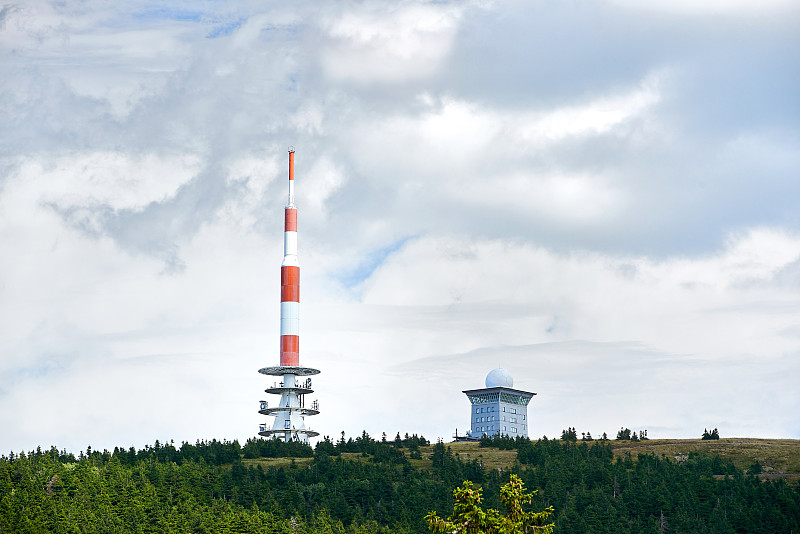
[305, 432]
[302, 410]
[277, 390]
[280, 370]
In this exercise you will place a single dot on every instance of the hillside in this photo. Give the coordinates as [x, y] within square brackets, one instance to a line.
[365, 486]
[779, 458]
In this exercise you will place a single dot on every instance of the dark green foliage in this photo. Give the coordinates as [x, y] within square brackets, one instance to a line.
[276, 448]
[569, 434]
[469, 517]
[755, 468]
[504, 442]
[714, 434]
[594, 493]
[625, 433]
[211, 452]
[379, 451]
[205, 487]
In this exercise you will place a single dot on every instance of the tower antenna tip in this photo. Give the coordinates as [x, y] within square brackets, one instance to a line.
[291, 148]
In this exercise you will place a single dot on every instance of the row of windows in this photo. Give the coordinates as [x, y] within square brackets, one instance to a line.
[492, 409]
[494, 418]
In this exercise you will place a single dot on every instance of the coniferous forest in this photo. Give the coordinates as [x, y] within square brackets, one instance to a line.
[369, 486]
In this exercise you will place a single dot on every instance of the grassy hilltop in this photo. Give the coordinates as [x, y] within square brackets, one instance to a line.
[779, 458]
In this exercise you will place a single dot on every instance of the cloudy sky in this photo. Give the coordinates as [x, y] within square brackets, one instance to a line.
[601, 198]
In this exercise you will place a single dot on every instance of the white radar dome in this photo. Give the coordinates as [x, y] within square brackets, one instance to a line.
[499, 378]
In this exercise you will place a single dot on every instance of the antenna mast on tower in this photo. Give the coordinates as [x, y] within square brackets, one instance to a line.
[291, 410]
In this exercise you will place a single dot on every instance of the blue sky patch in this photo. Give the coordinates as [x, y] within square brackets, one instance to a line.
[226, 28]
[370, 263]
[170, 14]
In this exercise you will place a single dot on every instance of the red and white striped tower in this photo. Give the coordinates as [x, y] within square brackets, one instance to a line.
[290, 280]
[291, 410]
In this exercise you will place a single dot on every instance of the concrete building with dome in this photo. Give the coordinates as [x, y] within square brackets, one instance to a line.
[498, 409]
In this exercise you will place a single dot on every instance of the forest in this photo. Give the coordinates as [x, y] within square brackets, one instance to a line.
[363, 485]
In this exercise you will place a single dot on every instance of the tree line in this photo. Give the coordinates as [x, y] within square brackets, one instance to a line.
[363, 485]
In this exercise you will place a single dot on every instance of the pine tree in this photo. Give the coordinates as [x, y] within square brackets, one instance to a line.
[469, 518]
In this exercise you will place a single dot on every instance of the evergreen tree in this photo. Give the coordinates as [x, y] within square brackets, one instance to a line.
[624, 434]
[714, 434]
[469, 518]
[570, 434]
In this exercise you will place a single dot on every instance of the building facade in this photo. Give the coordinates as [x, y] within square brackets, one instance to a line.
[498, 409]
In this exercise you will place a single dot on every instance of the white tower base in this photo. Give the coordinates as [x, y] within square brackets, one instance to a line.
[291, 410]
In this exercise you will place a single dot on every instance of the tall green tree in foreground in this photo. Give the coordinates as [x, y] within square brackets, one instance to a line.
[469, 518]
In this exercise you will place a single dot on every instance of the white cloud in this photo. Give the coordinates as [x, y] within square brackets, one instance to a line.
[679, 306]
[407, 41]
[102, 179]
[477, 187]
[744, 8]
[458, 309]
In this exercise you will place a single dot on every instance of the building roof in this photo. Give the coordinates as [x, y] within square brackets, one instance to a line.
[499, 390]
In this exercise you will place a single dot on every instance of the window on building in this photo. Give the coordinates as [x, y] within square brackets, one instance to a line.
[513, 410]
[504, 427]
[513, 419]
[286, 424]
[513, 429]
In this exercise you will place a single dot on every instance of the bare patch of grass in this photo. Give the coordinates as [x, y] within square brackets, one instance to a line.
[780, 456]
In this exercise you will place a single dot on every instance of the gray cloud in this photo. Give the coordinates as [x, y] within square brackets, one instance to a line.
[478, 183]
